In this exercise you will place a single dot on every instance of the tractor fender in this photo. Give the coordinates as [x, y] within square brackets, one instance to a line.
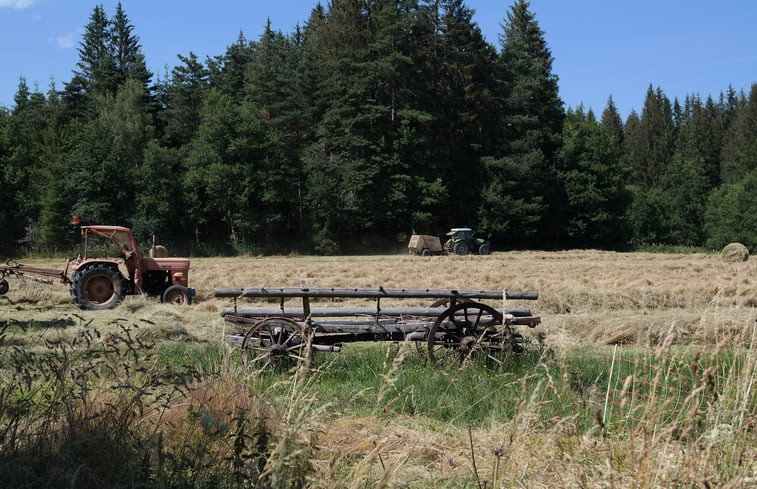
[110, 263]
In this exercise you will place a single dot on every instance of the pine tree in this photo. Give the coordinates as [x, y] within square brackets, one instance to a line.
[519, 186]
[26, 135]
[228, 73]
[700, 135]
[465, 108]
[652, 146]
[740, 146]
[589, 171]
[612, 125]
[109, 54]
[127, 55]
[184, 96]
[94, 50]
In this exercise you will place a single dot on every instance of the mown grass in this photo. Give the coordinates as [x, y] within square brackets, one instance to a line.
[148, 395]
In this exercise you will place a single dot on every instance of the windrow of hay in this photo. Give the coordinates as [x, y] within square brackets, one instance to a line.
[587, 295]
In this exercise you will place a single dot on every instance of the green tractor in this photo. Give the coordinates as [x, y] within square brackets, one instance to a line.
[463, 240]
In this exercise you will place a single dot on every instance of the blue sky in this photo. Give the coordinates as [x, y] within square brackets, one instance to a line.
[600, 47]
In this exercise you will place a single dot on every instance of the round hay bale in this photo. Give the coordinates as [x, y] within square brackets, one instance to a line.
[735, 253]
[158, 251]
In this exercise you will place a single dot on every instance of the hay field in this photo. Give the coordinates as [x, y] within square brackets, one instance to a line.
[589, 300]
[586, 297]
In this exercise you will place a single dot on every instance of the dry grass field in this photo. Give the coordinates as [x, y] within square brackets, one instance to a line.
[695, 305]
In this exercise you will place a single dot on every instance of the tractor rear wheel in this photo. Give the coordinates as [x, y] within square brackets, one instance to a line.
[4, 287]
[177, 294]
[97, 287]
[462, 248]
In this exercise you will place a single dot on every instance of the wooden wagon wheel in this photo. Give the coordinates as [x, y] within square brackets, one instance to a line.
[276, 342]
[468, 328]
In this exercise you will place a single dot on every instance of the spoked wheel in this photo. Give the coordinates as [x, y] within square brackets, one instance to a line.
[274, 343]
[466, 329]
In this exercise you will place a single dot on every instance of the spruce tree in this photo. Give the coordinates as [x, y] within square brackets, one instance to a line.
[653, 145]
[612, 125]
[127, 55]
[184, 96]
[465, 108]
[740, 146]
[519, 186]
[589, 171]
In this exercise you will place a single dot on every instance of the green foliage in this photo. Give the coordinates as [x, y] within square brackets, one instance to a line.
[671, 213]
[373, 120]
[529, 137]
[589, 171]
[731, 214]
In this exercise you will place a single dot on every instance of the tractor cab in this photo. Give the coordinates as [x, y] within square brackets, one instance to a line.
[463, 240]
[461, 233]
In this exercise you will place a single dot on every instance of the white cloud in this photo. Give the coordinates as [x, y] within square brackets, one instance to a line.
[16, 4]
[66, 41]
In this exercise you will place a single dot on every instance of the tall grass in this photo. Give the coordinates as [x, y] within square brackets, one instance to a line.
[107, 411]
[114, 411]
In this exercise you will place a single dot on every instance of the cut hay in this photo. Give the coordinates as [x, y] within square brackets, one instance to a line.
[735, 253]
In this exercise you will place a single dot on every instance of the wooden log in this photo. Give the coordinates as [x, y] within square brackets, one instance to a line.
[371, 293]
[390, 328]
[298, 312]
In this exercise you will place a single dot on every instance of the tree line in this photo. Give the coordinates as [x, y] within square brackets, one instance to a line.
[373, 120]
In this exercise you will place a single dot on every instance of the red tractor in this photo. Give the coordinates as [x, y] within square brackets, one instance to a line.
[110, 267]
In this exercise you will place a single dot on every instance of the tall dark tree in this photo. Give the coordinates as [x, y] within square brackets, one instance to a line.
[235, 176]
[651, 148]
[228, 72]
[700, 137]
[731, 214]
[612, 125]
[519, 186]
[126, 50]
[26, 133]
[463, 101]
[739, 155]
[184, 95]
[671, 212]
[109, 54]
[589, 171]
[95, 52]
[11, 221]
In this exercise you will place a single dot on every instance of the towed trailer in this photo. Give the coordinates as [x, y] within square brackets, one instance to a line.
[455, 327]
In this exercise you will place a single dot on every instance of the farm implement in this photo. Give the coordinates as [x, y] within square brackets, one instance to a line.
[110, 267]
[453, 329]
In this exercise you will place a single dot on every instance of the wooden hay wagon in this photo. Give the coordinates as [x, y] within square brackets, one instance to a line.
[453, 329]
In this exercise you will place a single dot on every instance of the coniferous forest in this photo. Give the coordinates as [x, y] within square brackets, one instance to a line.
[371, 121]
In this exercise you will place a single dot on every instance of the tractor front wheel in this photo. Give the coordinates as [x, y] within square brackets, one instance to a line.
[177, 294]
[4, 287]
[97, 287]
[484, 249]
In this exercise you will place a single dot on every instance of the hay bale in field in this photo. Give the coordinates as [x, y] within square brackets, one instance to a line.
[735, 253]
[158, 251]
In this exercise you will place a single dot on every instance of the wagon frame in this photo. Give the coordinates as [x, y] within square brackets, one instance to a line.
[454, 328]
